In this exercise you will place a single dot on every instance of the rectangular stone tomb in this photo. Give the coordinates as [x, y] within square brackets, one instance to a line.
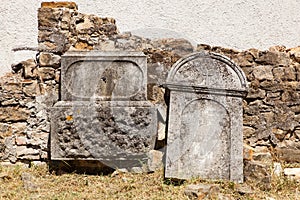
[204, 137]
[103, 114]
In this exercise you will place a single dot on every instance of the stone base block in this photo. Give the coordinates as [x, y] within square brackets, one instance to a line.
[111, 132]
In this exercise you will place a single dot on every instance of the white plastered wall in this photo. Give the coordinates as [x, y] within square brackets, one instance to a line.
[239, 24]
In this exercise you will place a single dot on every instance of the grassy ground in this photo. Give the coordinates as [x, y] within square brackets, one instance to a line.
[38, 183]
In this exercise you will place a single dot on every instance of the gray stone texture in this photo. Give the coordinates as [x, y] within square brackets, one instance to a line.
[204, 137]
[102, 131]
[96, 75]
[103, 114]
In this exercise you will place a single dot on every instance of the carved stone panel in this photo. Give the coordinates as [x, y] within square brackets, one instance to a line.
[104, 76]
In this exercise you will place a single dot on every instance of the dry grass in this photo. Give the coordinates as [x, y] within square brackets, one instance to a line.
[38, 183]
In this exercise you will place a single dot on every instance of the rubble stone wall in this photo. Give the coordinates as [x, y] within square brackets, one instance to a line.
[271, 109]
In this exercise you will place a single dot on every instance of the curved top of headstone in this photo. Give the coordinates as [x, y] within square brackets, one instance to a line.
[207, 70]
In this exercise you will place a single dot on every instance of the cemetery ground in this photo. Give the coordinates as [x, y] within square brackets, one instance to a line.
[37, 182]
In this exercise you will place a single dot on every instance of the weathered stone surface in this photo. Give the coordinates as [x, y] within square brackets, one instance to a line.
[46, 73]
[29, 68]
[292, 172]
[103, 132]
[277, 169]
[202, 191]
[258, 173]
[273, 58]
[48, 18]
[5, 130]
[181, 47]
[30, 88]
[13, 114]
[204, 123]
[256, 94]
[118, 76]
[24, 152]
[288, 155]
[21, 140]
[295, 53]
[70, 5]
[263, 72]
[155, 160]
[49, 60]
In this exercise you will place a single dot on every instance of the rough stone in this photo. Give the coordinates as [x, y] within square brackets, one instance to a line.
[200, 103]
[277, 169]
[263, 72]
[256, 94]
[5, 130]
[292, 172]
[21, 140]
[46, 73]
[288, 155]
[49, 60]
[248, 152]
[13, 114]
[258, 173]
[30, 88]
[155, 160]
[202, 191]
[273, 58]
[24, 152]
[70, 5]
[181, 47]
[29, 68]
[295, 53]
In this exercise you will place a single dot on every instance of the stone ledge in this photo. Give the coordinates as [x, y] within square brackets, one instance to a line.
[65, 4]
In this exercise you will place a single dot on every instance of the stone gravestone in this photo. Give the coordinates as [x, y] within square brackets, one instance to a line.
[103, 113]
[204, 136]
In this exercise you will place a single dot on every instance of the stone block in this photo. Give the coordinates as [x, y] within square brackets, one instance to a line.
[46, 73]
[273, 58]
[21, 140]
[287, 154]
[24, 152]
[30, 89]
[263, 72]
[29, 68]
[292, 172]
[106, 131]
[49, 60]
[257, 173]
[13, 114]
[64, 4]
[155, 160]
[5, 130]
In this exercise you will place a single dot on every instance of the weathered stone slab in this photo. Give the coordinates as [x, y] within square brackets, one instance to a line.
[95, 75]
[204, 136]
[106, 131]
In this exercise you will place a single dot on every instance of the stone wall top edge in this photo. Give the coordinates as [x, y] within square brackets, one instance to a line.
[64, 4]
[103, 53]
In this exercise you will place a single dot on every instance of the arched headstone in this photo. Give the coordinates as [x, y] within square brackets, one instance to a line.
[204, 136]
